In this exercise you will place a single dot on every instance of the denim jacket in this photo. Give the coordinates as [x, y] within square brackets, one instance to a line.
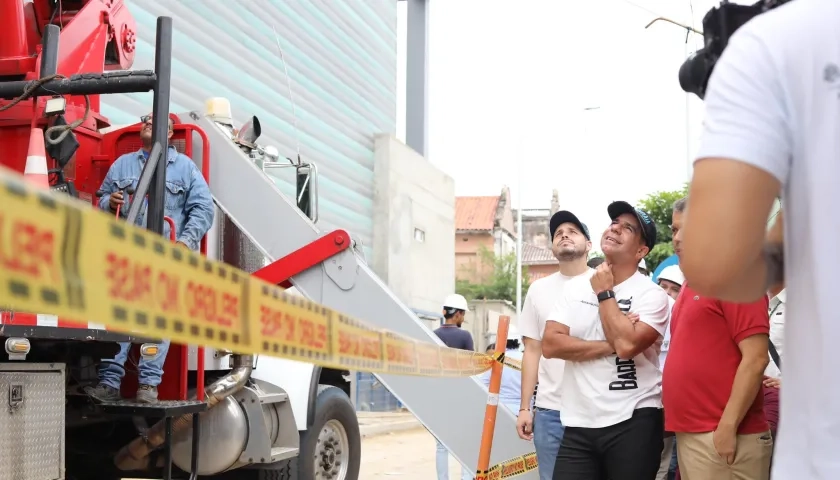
[188, 201]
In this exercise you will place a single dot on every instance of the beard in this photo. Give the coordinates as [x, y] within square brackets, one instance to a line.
[566, 254]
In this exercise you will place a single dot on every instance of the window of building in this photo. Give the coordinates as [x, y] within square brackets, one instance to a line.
[419, 235]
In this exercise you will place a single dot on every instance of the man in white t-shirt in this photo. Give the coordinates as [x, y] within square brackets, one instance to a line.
[570, 245]
[772, 126]
[612, 399]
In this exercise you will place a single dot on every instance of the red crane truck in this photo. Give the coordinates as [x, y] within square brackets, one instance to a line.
[221, 414]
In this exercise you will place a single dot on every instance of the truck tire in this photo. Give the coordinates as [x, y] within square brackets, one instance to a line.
[284, 470]
[332, 447]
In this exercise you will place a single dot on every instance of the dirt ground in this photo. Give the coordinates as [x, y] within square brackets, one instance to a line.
[405, 455]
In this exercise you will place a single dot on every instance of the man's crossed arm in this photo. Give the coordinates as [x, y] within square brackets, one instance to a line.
[629, 339]
[557, 343]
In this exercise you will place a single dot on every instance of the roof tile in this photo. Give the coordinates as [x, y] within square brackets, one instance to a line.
[534, 255]
[475, 213]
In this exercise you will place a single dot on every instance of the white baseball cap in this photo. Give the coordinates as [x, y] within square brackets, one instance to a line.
[456, 301]
[672, 273]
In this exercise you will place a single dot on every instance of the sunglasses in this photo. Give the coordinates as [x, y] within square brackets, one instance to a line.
[147, 120]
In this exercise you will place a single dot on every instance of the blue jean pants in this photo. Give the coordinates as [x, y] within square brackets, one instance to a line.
[149, 372]
[442, 465]
[548, 434]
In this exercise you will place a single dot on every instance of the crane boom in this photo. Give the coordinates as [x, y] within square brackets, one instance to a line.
[451, 408]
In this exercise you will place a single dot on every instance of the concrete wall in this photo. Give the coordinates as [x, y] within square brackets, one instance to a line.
[482, 320]
[413, 225]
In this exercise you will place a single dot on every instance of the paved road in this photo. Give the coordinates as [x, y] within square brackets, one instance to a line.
[406, 455]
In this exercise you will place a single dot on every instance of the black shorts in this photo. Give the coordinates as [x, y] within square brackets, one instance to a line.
[629, 450]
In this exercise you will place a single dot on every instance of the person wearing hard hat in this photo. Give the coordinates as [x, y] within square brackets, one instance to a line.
[510, 391]
[450, 333]
[670, 280]
[454, 308]
[643, 268]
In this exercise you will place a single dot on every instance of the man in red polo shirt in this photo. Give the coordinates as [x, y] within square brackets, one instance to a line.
[711, 386]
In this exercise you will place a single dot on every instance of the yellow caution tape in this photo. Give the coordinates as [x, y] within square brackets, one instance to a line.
[510, 468]
[60, 256]
[508, 362]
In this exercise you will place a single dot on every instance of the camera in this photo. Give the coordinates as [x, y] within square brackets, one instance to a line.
[719, 24]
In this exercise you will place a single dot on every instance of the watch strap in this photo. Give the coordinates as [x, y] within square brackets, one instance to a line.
[605, 295]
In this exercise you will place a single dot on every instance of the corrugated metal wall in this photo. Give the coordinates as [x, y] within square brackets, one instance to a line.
[341, 58]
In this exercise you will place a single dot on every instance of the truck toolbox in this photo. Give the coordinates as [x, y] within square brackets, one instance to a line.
[31, 421]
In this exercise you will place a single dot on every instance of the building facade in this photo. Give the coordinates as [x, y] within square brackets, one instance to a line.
[482, 224]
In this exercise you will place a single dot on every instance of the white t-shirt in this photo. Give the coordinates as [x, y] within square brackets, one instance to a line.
[603, 392]
[540, 300]
[774, 102]
[777, 332]
[666, 339]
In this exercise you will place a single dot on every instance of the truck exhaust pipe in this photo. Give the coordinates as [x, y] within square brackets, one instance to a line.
[135, 455]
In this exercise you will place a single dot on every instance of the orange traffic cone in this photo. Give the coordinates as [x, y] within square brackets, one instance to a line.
[36, 160]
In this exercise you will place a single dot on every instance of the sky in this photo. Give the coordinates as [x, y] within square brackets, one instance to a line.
[510, 82]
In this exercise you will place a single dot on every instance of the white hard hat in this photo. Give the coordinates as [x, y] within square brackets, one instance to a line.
[513, 333]
[642, 264]
[672, 273]
[456, 301]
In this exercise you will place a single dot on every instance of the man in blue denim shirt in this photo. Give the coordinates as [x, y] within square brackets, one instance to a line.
[189, 204]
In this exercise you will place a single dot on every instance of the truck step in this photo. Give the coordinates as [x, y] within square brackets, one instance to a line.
[161, 409]
[269, 398]
[282, 453]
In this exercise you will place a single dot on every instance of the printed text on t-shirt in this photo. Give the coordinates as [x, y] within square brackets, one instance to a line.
[625, 371]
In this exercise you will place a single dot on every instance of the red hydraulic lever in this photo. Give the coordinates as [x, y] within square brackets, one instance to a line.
[281, 270]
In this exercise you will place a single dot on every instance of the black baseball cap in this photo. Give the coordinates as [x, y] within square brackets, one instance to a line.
[565, 216]
[648, 226]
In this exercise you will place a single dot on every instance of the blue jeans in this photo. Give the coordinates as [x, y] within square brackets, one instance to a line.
[548, 434]
[672, 471]
[442, 464]
[149, 372]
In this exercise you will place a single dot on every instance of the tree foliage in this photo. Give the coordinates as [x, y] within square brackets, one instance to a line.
[659, 205]
[497, 278]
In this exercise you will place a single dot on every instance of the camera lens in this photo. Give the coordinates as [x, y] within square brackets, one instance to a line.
[694, 73]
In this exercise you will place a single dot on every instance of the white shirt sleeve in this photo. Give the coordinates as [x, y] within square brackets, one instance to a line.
[560, 311]
[653, 309]
[529, 322]
[748, 115]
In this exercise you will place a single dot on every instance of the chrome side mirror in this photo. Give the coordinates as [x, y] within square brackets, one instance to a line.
[307, 190]
[250, 132]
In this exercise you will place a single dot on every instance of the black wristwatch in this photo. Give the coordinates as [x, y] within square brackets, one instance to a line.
[605, 295]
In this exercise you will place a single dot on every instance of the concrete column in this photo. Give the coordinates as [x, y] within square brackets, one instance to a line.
[417, 76]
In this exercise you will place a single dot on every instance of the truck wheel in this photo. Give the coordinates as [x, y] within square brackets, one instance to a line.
[332, 447]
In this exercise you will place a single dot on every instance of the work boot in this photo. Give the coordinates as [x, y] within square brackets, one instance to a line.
[147, 394]
[104, 393]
